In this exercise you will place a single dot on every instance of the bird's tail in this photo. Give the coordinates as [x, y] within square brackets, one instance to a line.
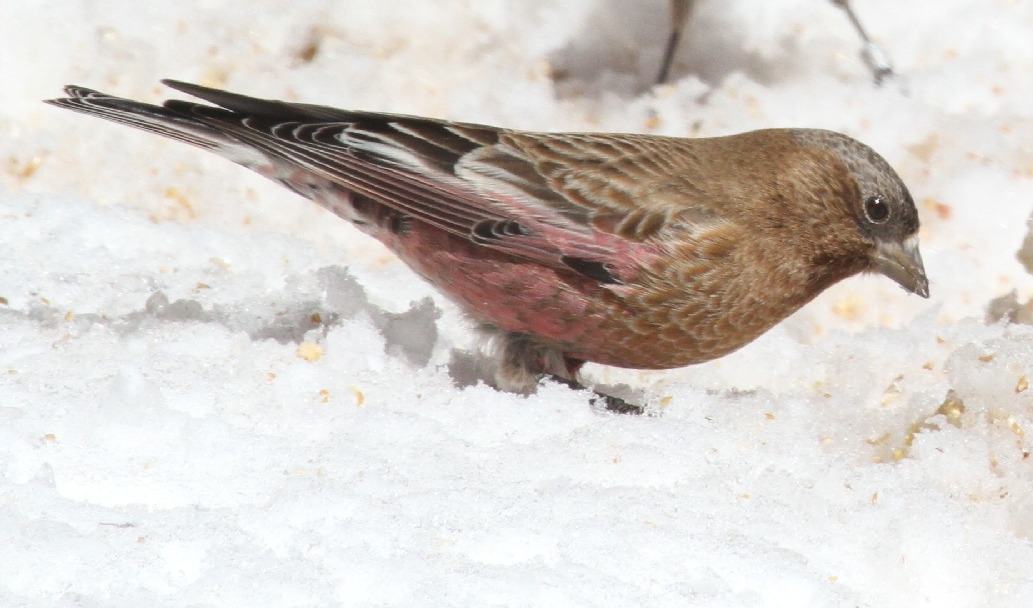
[173, 120]
[156, 119]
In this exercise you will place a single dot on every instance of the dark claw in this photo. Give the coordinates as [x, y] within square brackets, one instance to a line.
[616, 404]
[611, 403]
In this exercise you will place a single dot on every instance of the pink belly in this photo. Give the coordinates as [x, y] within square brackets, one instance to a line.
[513, 294]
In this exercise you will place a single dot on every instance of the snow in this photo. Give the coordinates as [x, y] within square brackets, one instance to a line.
[216, 394]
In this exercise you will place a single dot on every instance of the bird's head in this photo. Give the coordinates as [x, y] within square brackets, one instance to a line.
[880, 205]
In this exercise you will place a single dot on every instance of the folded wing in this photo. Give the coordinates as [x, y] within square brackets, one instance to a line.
[580, 202]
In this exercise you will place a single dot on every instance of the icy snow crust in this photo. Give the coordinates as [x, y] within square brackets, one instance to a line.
[216, 394]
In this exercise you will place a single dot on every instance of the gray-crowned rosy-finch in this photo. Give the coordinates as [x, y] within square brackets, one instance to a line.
[629, 250]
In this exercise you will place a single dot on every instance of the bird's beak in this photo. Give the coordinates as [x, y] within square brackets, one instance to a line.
[903, 263]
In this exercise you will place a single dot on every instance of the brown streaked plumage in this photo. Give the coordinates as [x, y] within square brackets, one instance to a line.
[629, 250]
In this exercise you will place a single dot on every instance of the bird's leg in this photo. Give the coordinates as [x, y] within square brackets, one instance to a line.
[874, 57]
[523, 361]
[680, 10]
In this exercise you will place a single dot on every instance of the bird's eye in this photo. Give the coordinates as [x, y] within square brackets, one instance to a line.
[876, 210]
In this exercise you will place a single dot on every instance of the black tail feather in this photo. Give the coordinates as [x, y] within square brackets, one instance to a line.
[174, 123]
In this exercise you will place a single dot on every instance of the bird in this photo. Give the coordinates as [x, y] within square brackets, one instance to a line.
[872, 54]
[630, 250]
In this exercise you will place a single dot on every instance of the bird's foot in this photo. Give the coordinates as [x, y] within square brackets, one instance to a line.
[615, 404]
[607, 402]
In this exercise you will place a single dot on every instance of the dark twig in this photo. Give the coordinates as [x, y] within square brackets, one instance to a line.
[874, 57]
[680, 10]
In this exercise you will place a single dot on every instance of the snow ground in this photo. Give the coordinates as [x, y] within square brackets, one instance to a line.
[216, 394]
